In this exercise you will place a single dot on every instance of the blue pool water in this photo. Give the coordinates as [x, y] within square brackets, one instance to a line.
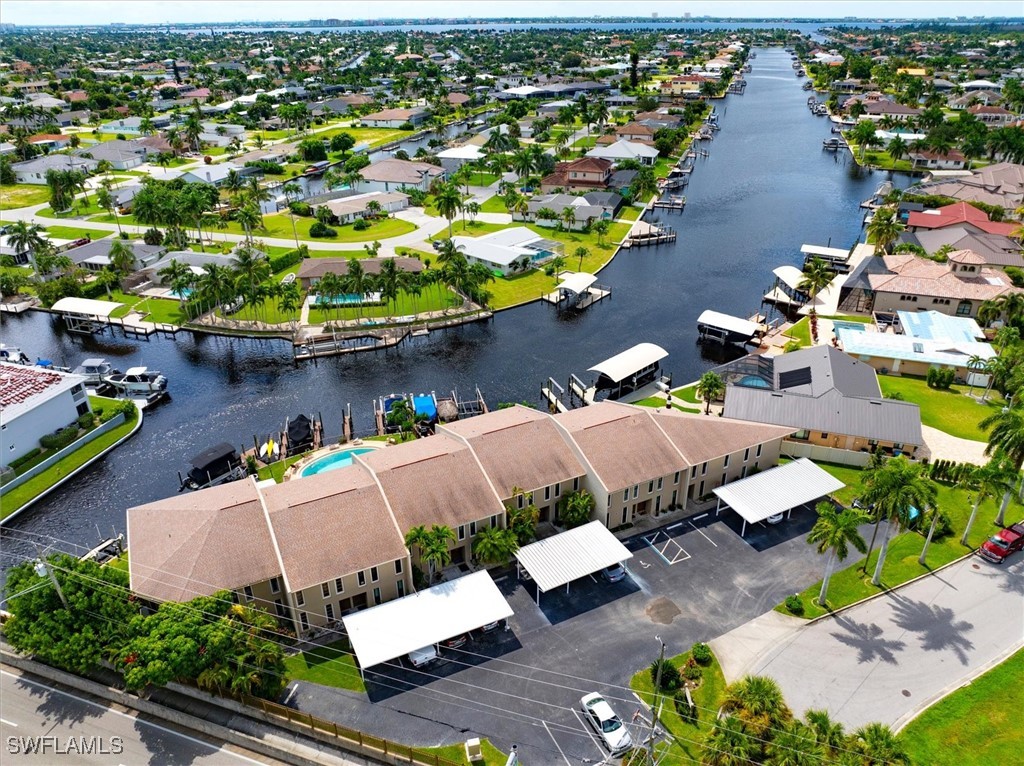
[849, 326]
[343, 300]
[183, 293]
[332, 462]
[753, 381]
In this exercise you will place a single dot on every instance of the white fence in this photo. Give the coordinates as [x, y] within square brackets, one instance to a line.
[825, 454]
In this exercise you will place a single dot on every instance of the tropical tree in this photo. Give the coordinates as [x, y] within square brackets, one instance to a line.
[816, 277]
[644, 185]
[107, 279]
[757, 702]
[730, 744]
[1006, 436]
[122, 257]
[794, 745]
[329, 287]
[390, 280]
[448, 201]
[576, 508]
[885, 228]
[863, 134]
[105, 200]
[25, 237]
[523, 163]
[896, 149]
[878, 746]
[601, 228]
[893, 489]
[833, 534]
[435, 550]
[826, 732]
[356, 282]
[709, 388]
[494, 545]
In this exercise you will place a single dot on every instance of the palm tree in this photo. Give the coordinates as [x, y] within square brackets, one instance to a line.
[885, 228]
[826, 732]
[108, 278]
[833, 533]
[1006, 435]
[893, 489]
[435, 550]
[289, 301]
[567, 217]
[794, 745]
[391, 280]
[581, 253]
[644, 185]
[758, 703]
[878, 746]
[816, 277]
[523, 163]
[122, 257]
[896, 149]
[329, 287]
[448, 201]
[494, 545]
[25, 237]
[356, 282]
[602, 227]
[729, 744]
[249, 218]
[417, 536]
[709, 388]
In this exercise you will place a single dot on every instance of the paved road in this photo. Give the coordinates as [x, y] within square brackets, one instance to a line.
[60, 727]
[885, 660]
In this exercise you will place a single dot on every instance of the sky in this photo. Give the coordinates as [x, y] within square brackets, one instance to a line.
[92, 12]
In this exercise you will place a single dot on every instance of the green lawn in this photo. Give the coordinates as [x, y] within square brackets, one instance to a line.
[851, 318]
[22, 195]
[162, 310]
[73, 232]
[471, 228]
[84, 206]
[457, 753]
[658, 403]
[850, 584]
[974, 725]
[950, 411]
[423, 255]
[483, 178]
[31, 489]
[269, 311]
[329, 665]
[276, 470]
[494, 204]
[684, 745]
[687, 393]
[585, 142]
[373, 136]
[801, 331]
[431, 299]
[280, 225]
[630, 213]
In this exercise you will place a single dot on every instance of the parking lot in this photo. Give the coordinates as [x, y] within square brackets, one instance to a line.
[689, 580]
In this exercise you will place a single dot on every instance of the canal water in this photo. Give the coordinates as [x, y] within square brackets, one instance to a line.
[765, 188]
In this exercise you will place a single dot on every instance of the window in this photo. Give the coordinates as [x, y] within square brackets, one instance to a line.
[398, 566]
[300, 599]
[746, 454]
[519, 502]
[462, 530]
[802, 434]
[376, 595]
[280, 607]
[329, 611]
[275, 587]
[339, 586]
[650, 487]
[304, 620]
[963, 309]
[723, 479]
[576, 484]
[636, 491]
[558, 490]
[472, 528]
[676, 479]
[248, 592]
[361, 579]
[700, 492]
[743, 473]
[704, 469]
[623, 515]
[693, 472]
[401, 588]
[325, 589]
[726, 463]
[898, 446]
[824, 434]
[373, 574]
[660, 483]
[625, 495]
[547, 493]
[758, 453]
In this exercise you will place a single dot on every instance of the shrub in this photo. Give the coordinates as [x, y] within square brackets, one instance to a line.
[61, 439]
[943, 527]
[282, 262]
[637, 757]
[153, 236]
[686, 711]
[300, 208]
[1016, 275]
[693, 672]
[701, 653]
[406, 126]
[269, 167]
[322, 230]
[19, 462]
[795, 605]
[669, 675]
[361, 225]
[793, 345]
[86, 420]
[123, 407]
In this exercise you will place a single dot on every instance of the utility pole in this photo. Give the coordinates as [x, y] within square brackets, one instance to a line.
[42, 568]
[657, 693]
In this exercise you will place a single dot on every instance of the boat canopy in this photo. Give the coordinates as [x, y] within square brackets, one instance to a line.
[729, 323]
[210, 456]
[85, 307]
[577, 283]
[790, 276]
[828, 253]
[630, 362]
[300, 431]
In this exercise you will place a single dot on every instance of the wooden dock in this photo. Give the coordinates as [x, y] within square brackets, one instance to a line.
[672, 203]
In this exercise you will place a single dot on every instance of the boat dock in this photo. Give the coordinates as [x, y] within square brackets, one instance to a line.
[671, 203]
[577, 291]
[644, 234]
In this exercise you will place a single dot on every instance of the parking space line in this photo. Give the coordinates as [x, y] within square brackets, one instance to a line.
[560, 752]
[702, 516]
[679, 553]
[586, 728]
[704, 535]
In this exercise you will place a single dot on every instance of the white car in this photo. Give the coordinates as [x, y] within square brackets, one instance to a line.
[608, 726]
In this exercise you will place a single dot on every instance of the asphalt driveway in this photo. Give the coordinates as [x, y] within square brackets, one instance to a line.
[888, 658]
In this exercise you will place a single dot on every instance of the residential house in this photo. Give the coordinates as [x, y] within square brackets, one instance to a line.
[926, 158]
[311, 270]
[596, 206]
[395, 118]
[95, 255]
[658, 120]
[218, 174]
[197, 263]
[893, 283]
[395, 175]
[34, 171]
[626, 150]
[991, 249]
[831, 400]
[122, 155]
[1001, 184]
[682, 85]
[584, 174]
[131, 126]
[357, 206]
[993, 116]
[878, 110]
[35, 402]
[509, 250]
[959, 213]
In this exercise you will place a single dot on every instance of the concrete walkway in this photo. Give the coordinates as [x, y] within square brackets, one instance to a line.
[889, 658]
[946, 447]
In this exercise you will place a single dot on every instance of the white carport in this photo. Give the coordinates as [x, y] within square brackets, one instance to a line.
[777, 490]
[570, 555]
[398, 627]
[85, 315]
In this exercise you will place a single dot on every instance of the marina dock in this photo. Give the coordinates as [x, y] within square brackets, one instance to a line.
[577, 291]
[644, 234]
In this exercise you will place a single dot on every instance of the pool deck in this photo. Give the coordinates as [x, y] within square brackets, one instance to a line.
[294, 471]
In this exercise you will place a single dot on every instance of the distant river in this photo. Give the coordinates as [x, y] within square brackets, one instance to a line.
[766, 188]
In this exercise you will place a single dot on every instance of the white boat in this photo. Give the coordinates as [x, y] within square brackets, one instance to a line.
[138, 380]
[13, 354]
[95, 371]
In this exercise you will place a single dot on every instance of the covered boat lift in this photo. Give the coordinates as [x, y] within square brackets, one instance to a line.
[557, 561]
[629, 370]
[84, 315]
[776, 491]
[725, 328]
[836, 257]
[394, 629]
[577, 290]
[786, 289]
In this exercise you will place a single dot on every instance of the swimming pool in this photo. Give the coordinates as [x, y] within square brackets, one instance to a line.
[850, 326]
[347, 299]
[182, 294]
[333, 461]
[753, 381]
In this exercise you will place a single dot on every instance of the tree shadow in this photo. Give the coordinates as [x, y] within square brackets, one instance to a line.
[937, 625]
[868, 640]
[167, 748]
[54, 707]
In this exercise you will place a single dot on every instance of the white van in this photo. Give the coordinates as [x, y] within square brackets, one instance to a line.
[420, 657]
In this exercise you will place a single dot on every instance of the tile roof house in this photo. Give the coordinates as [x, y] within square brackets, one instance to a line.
[876, 110]
[926, 158]
[35, 402]
[1001, 184]
[991, 249]
[832, 399]
[584, 174]
[993, 116]
[626, 150]
[596, 206]
[395, 175]
[957, 213]
[395, 118]
[311, 270]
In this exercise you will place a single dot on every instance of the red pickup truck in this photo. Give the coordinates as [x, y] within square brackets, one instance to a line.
[998, 547]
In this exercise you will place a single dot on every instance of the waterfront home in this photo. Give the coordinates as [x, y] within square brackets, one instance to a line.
[908, 355]
[626, 150]
[95, 255]
[357, 206]
[195, 261]
[395, 118]
[926, 158]
[312, 270]
[509, 250]
[830, 400]
[311, 549]
[34, 171]
[122, 155]
[993, 116]
[878, 110]
[959, 213]
[595, 206]
[397, 175]
[50, 142]
[893, 283]
[132, 126]
[218, 174]
[682, 85]
[1001, 184]
[584, 174]
[991, 249]
[35, 402]
[658, 119]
